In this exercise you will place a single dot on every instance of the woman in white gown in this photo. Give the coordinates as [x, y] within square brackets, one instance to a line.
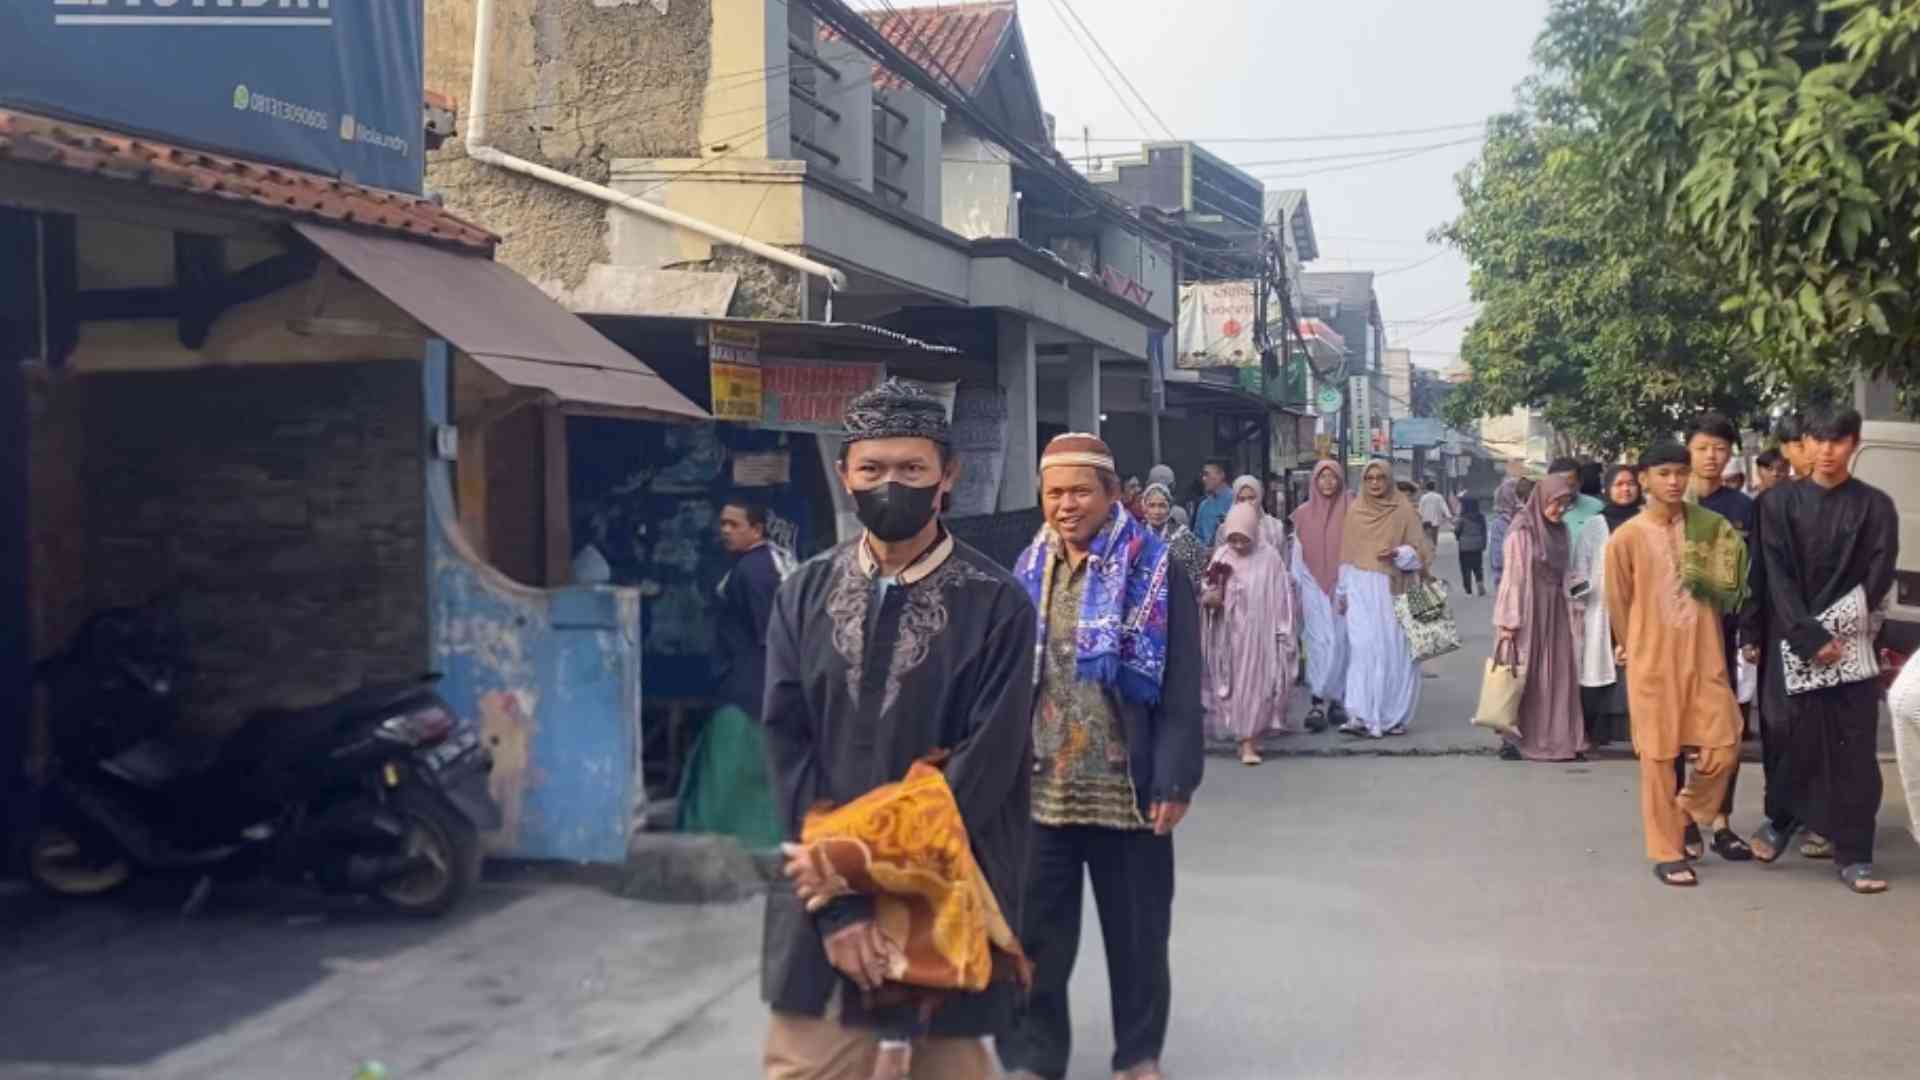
[1318, 526]
[1383, 551]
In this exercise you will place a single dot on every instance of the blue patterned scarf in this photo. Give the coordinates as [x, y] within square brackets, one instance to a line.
[1122, 637]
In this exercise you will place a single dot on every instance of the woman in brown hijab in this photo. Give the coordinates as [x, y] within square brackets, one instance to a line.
[1383, 550]
[1533, 617]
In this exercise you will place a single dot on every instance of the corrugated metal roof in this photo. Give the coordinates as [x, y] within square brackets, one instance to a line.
[110, 155]
[959, 40]
[505, 324]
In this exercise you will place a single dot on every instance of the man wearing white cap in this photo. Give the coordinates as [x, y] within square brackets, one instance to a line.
[1117, 744]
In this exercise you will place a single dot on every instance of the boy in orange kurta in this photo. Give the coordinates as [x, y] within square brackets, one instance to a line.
[1673, 653]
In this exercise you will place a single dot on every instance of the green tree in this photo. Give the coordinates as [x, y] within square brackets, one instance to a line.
[1781, 140]
[1589, 313]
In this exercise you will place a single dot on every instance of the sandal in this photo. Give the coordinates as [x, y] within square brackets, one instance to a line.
[1249, 756]
[1728, 845]
[1680, 875]
[1317, 720]
[1859, 877]
[1769, 843]
[1695, 847]
[1509, 752]
[1816, 847]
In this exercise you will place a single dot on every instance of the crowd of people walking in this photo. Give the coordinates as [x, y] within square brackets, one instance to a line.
[955, 747]
[1637, 600]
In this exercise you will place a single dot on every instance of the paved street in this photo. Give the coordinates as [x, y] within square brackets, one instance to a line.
[1356, 917]
[1366, 916]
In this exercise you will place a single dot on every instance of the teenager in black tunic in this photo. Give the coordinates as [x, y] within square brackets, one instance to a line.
[1822, 538]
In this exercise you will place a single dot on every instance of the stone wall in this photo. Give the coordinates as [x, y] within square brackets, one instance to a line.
[575, 84]
[284, 507]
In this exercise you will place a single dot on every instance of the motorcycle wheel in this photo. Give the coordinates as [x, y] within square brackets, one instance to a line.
[67, 859]
[451, 846]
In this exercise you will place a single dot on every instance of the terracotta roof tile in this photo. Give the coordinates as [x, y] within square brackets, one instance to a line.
[959, 40]
[99, 152]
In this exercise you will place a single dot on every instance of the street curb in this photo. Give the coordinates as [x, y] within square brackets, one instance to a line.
[661, 868]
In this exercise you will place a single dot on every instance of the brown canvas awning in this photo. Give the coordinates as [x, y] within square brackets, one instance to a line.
[505, 324]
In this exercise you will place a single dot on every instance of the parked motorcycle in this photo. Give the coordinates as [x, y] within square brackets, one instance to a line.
[382, 791]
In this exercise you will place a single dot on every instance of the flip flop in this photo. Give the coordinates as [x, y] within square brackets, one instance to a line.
[1816, 847]
[1669, 874]
[1857, 878]
[1772, 839]
[1728, 845]
[1692, 844]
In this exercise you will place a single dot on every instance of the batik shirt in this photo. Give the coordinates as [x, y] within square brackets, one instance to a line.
[865, 676]
[1080, 747]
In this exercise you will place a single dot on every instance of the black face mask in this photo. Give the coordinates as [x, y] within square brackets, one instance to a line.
[894, 512]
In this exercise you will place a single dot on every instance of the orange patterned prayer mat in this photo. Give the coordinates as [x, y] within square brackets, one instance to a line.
[905, 845]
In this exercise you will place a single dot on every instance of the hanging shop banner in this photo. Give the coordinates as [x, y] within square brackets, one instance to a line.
[1216, 325]
[812, 395]
[335, 86]
[980, 446]
[1418, 433]
[733, 368]
[1360, 421]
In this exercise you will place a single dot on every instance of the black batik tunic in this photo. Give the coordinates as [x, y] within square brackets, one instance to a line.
[1819, 543]
[864, 677]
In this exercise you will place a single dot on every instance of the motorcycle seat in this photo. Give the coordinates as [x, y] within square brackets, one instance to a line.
[282, 731]
[155, 763]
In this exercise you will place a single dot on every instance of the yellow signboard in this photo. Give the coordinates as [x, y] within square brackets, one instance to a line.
[733, 363]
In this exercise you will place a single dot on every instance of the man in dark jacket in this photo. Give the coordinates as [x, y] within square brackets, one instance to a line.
[880, 652]
[1118, 754]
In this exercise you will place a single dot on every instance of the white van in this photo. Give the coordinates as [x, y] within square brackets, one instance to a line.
[1889, 459]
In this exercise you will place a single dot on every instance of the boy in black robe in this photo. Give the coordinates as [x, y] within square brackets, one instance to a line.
[1821, 539]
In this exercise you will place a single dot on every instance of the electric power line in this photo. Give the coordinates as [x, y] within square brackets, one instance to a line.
[1353, 136]
[1395, 156]
[1095, 64]
[1144, 103]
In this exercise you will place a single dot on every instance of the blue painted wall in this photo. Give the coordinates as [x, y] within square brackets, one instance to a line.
[552, 674]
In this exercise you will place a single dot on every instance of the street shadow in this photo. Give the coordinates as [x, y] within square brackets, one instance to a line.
[120, 983]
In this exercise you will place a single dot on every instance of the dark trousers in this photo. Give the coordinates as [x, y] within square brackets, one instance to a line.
[1776, 738]
[1470, 570]
[1833, 765]
[1132, 874]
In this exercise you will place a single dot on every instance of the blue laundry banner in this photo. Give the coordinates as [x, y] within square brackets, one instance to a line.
[332, 86]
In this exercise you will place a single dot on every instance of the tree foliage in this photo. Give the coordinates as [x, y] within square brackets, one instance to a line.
[1590, 312]
[1781, 140]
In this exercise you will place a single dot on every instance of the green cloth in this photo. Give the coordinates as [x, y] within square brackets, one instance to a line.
[1714, 564]
[725, 789]
[1584, 509]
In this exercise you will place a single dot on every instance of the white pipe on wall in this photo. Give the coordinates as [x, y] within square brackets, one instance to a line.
[478, 150]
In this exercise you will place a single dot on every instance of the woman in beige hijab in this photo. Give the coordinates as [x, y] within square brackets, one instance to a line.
[1383, 551]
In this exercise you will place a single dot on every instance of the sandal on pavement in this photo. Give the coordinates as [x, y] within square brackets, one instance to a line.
[1249, 756]
[1146, 1070]
[1317, 720]
[1769, 843]
[1859, 877]
[1680, 875]
[1509, 752]
[1816, 847]
[1728, 845]
[1695, 847]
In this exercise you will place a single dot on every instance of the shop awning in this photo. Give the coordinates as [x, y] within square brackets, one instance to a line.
[505, 324]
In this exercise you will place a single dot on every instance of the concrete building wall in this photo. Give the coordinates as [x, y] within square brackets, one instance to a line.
[574, 86]
[282, 506]
[976, 187]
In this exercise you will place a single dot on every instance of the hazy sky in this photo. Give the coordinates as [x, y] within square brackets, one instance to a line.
[1243, 68]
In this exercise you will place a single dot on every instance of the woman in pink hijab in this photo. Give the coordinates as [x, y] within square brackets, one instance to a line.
[1250, 649]
[1318, 528]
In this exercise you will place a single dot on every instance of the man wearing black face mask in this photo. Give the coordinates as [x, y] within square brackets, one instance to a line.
[880, 652]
